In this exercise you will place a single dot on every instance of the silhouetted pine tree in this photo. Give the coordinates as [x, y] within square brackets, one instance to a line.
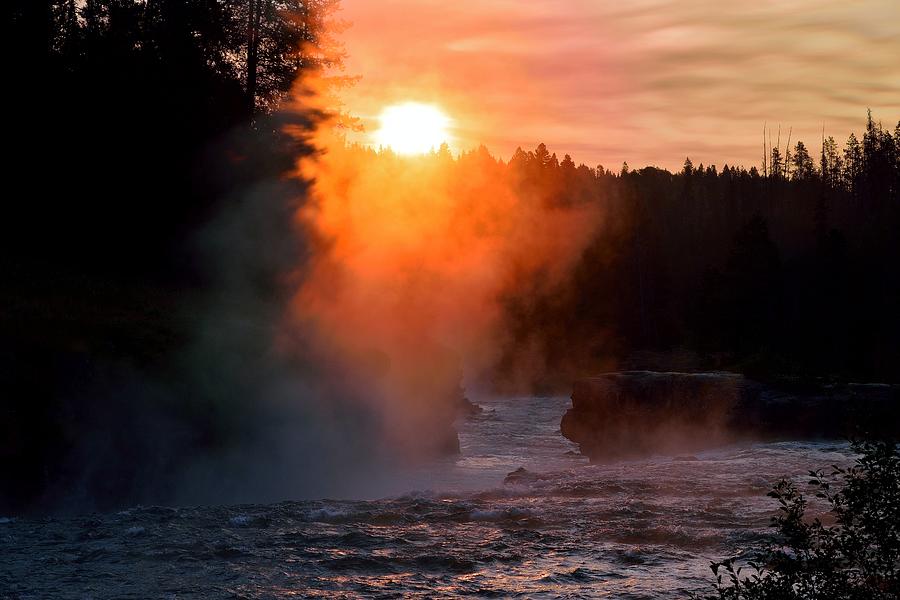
[804, 168]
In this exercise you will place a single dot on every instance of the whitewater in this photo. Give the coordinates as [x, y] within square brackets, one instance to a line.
[519, 513]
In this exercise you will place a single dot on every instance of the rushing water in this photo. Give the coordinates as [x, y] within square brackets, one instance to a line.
[563, 528]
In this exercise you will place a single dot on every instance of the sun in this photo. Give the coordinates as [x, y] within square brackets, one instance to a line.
[412, 128]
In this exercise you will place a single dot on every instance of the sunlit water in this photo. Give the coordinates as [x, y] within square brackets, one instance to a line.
[565, 529]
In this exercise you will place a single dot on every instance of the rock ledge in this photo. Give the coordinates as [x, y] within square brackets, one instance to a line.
[638, 412]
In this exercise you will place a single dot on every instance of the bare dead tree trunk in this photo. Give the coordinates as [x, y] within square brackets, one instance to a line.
[254, 10]
[787, 155]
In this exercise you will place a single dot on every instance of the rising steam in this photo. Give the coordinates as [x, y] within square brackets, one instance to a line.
[409, 259]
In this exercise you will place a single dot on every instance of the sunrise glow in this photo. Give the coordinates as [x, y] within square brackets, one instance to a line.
[412, 128]
[414, 298]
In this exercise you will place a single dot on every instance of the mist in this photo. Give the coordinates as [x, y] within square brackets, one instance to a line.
[358, 296]
[414, 254]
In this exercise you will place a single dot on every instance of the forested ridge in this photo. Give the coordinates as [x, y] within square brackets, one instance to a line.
[786, 270]
[789, 269]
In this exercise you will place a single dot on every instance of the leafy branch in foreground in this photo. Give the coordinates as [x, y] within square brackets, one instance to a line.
[857, 557]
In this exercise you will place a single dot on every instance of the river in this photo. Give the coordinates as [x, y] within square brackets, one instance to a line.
[562, 528]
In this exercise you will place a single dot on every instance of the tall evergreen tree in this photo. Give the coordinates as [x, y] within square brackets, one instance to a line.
[776, 164]
[853, 163]
[832, 163]
[804, 168]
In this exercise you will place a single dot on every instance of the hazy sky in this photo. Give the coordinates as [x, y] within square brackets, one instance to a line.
[645, 81]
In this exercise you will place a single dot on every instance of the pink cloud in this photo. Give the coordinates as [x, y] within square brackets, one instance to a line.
[645, 81]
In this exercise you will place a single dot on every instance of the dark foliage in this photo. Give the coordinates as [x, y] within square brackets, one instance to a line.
[131, 124]
[858, 557]
[794, 273]
[119, 109]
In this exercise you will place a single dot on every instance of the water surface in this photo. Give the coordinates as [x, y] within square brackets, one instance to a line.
[562, 528]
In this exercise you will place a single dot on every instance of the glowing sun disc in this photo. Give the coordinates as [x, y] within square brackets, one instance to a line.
[412, 128]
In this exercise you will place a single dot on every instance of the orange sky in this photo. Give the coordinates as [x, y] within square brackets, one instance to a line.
[645, 81]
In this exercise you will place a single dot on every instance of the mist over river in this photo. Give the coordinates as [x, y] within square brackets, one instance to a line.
[562, 528]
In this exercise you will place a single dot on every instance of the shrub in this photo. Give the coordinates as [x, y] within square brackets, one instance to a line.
[858, 557]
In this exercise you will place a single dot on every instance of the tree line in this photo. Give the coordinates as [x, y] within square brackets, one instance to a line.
[133, 118]
[131, 125]
[785, 270]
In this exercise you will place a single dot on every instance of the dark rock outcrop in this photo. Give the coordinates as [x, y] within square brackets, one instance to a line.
[467, 408]
[641, 411]
[520, 476]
